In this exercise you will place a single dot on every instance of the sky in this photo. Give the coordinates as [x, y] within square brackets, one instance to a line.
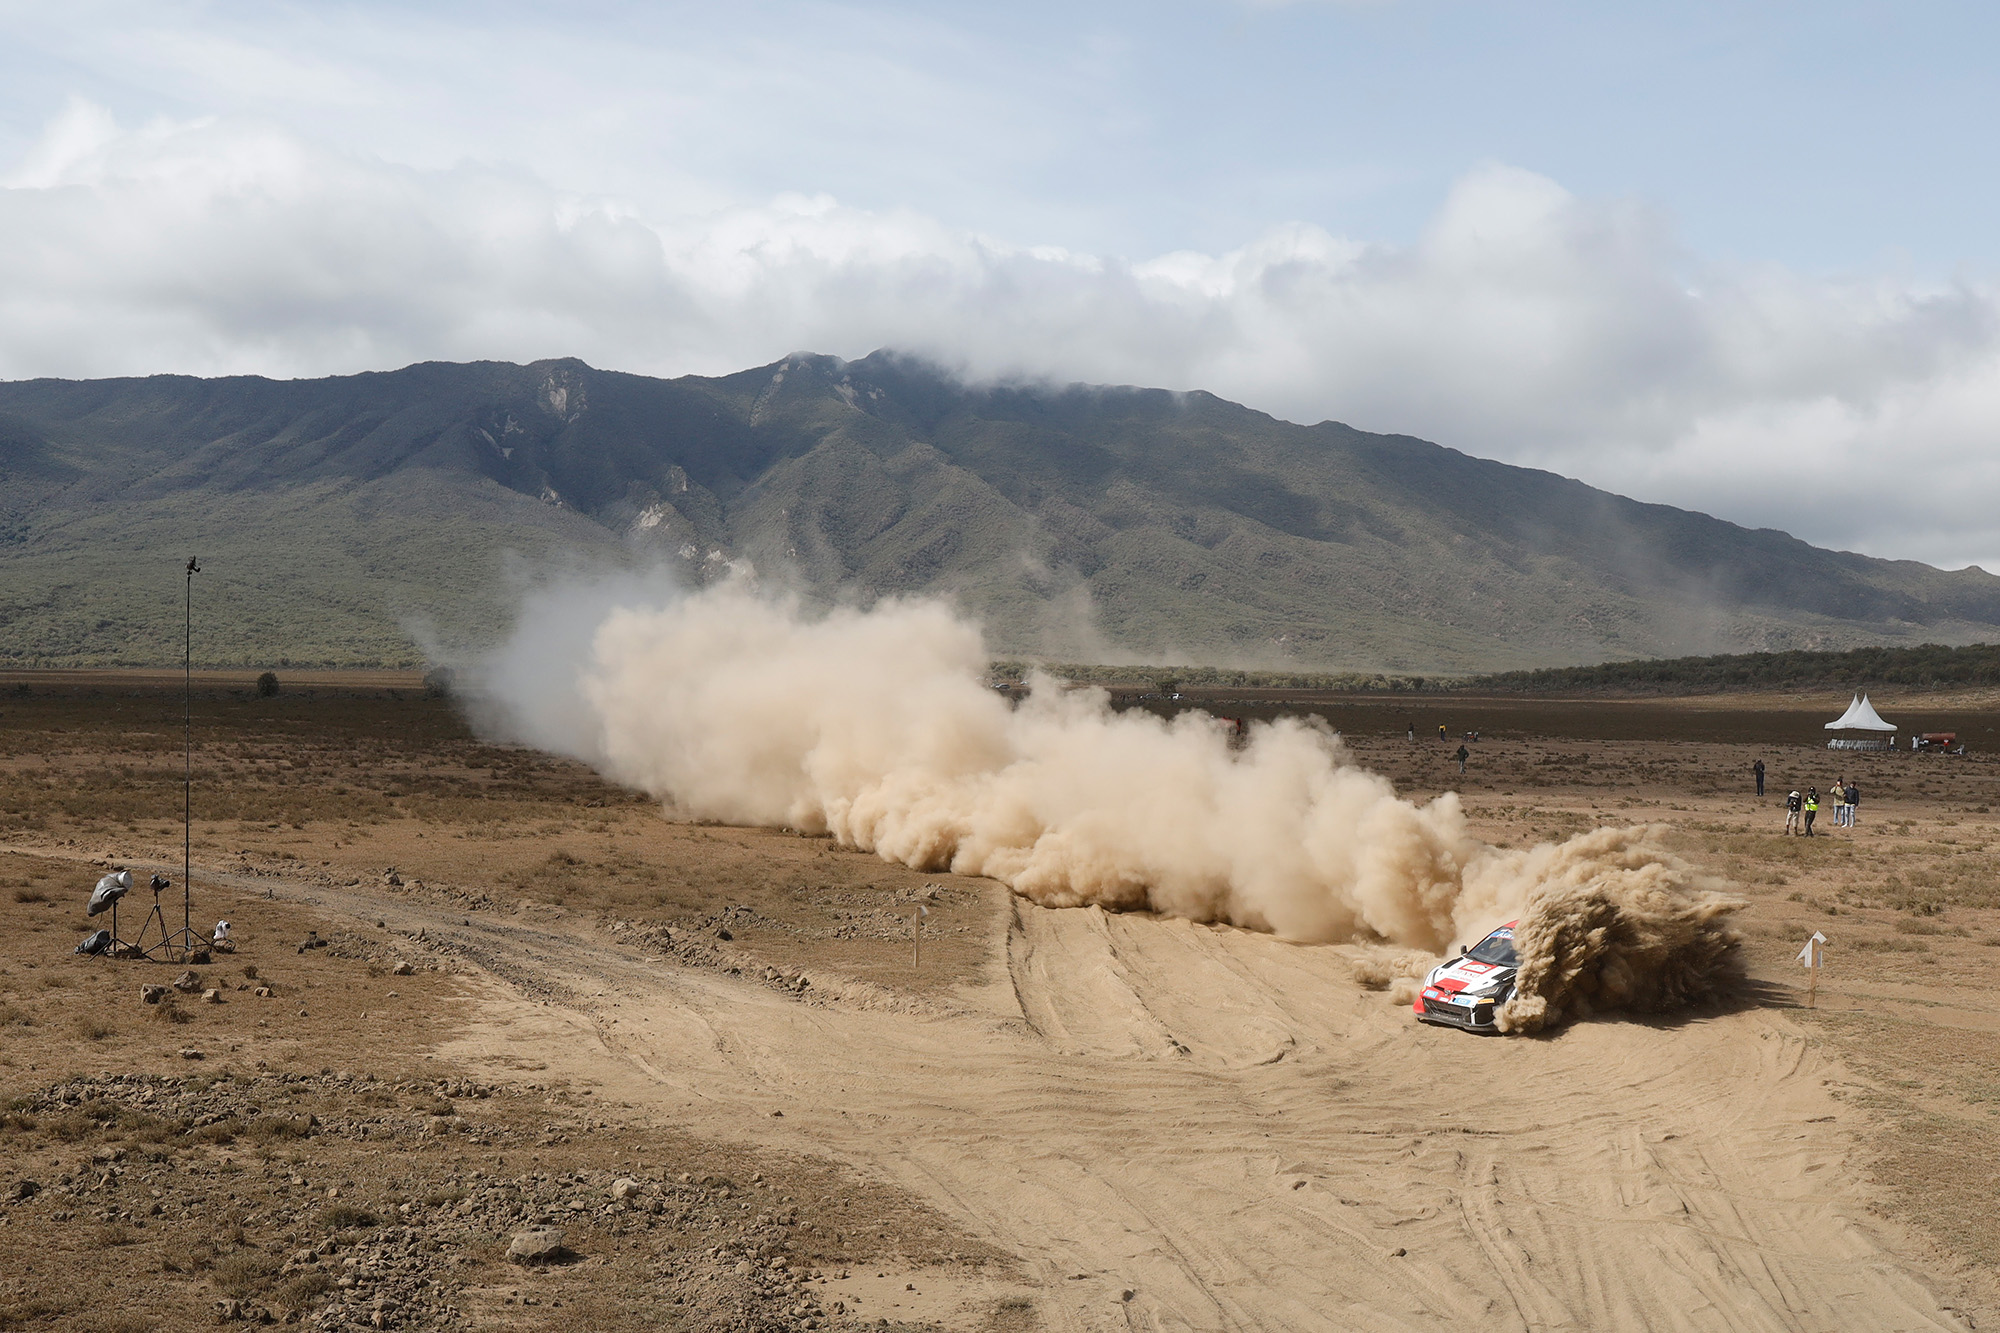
[1740, 258]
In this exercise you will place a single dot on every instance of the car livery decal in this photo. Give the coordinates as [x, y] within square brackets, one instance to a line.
[1448, 982]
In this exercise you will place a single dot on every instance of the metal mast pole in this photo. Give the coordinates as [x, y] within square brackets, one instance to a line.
[187, 752]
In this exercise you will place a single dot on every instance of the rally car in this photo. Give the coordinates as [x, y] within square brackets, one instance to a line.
[1463, 992]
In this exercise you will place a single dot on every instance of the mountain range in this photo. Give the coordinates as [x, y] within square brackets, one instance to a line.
[363, 519]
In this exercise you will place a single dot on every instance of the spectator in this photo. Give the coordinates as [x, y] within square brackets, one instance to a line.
[1812, 808]
[1853, 794]
[1793, 804]
[1758, 769]
[1462, 755]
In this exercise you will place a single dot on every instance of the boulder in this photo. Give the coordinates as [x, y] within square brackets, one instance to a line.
[625, 1187]
[402, 969]
[211, 996]
[187, 983]
[544, 1245]
[152, 994]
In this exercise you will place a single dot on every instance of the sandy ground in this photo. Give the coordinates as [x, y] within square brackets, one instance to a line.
[1179, 1126]
[1162, 1125]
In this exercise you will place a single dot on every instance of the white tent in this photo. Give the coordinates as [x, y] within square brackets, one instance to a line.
[1861, 716]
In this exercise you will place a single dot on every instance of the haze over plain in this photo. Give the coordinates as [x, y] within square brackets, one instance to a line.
[1734, 262]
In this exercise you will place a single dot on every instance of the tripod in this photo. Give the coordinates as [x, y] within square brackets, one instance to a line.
[113, 949]
[155, 915]
[118, 948]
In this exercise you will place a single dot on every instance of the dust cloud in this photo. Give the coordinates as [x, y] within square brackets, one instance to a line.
[1619, 924]
[876, 726]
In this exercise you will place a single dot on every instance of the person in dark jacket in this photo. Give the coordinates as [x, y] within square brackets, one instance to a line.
[1462, 755]
[1758, 769]
[1853, 804]
[1793, 803]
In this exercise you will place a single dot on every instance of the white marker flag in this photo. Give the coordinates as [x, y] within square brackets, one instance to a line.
[1810, 954]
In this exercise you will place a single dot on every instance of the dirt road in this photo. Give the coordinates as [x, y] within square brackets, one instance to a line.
[1229, 1129]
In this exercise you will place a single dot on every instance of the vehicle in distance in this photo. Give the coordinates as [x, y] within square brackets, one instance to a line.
[1463, 992]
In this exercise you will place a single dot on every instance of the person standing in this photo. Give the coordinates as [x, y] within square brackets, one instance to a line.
[1758, 769]
[1812, 808]
[1853, 795]
[1441, 733]
[1838, 795]
[1793, 803]
[1462, 755]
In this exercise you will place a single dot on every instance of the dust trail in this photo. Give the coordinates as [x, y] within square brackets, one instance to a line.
[1646, 935]
[1396, 970]
[876, 726]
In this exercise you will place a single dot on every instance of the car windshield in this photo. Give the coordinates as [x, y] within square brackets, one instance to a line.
[1495, 949]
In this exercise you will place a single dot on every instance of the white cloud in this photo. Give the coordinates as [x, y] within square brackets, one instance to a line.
[1524, 323]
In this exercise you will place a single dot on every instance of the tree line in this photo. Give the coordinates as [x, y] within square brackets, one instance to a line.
[1925, 666]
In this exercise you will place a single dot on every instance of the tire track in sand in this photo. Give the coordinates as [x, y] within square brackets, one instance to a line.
[1616, 1175]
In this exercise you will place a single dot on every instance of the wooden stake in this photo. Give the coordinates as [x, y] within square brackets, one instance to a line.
[1812, 988]
[917, 936]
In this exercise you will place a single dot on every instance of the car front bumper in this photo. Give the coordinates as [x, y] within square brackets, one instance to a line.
[1473, 1017]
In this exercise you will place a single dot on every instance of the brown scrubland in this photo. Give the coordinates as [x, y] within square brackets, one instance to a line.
[714, 1060]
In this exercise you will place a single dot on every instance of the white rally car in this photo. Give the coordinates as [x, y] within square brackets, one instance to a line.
[1463, 992]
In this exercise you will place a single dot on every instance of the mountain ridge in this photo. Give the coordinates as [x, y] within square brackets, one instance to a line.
[354, 517]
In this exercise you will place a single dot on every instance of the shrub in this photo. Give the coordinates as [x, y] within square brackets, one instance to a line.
[187, 1256]
[115, 1233]
[271, 1128]
[297, 1296]
[344, 1217]
[244, 1274]
[267, 685]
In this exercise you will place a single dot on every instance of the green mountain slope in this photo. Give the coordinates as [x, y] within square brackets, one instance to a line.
[344, 520]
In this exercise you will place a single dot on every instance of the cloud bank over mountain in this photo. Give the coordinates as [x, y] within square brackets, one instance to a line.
[1525, 323]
